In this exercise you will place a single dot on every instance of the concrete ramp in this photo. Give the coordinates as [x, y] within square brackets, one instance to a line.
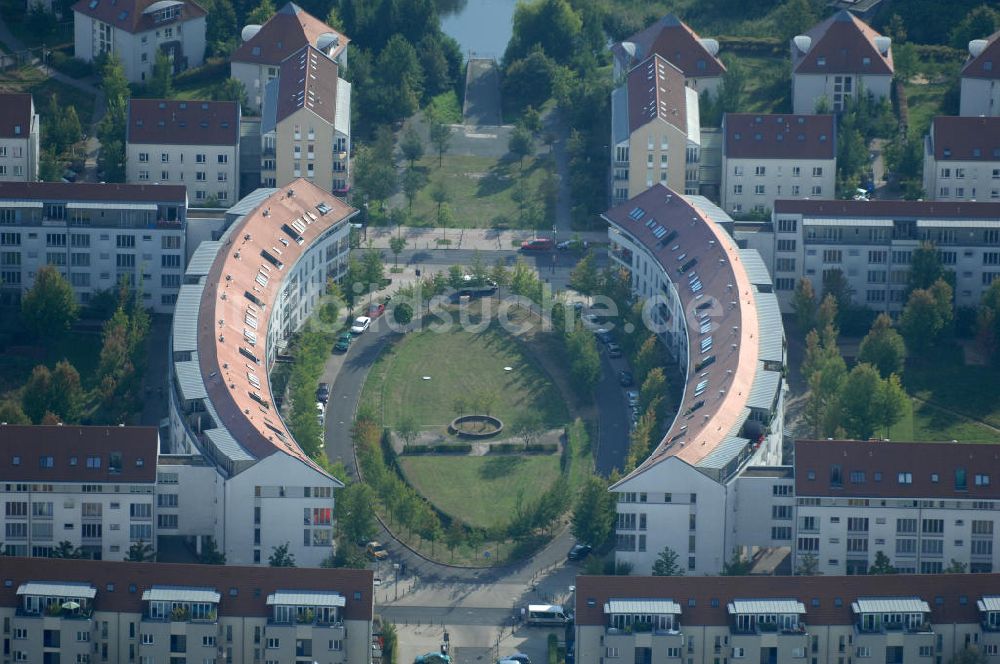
[482, 93]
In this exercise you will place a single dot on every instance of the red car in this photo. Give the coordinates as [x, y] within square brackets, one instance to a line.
[376, 310]
[538, 244]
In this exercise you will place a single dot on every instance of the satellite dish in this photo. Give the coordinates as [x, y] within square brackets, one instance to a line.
[327, 40]
[249, 32]
[977, 46]
[882, 44]
[629, 47]
[710, 45]
[803, 43]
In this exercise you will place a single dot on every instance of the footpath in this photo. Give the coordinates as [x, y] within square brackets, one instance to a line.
[483, 239]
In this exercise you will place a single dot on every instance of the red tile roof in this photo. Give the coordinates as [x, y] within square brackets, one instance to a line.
[177, 122]
[725, 284]
[957, 593]
[225, 308]
[285, 33]
[959, 138]
[986, 64]
[15, 111]
[842, 41]
[920, 460]
[896, 209]
[251, 584]
[672, 39]
[656, 89]
[70, 447]
[308, 79]
[92, 191]
[136, 16]
[779, 136]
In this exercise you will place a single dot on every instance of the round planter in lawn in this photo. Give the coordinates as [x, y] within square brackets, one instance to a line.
[476, 426]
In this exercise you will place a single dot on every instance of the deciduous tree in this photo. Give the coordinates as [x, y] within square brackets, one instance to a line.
[804, 305]
[411, 145]
[280, 556]
[594, 513]
[584, 275]
[882, 565]
[883, 347]
[49, 307]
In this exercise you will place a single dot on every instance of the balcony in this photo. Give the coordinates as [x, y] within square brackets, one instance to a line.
[644, 628]
[894, 627]
[56, 611]
[770, 628]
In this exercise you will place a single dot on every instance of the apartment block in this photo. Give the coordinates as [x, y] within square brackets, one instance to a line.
[264, 48]
[871, 243]
[193, 143]
[90, 486]
[896, 619]
[136, 30]
[306, 124]
[674, 40]
[837, 59]
[243, 296]
[766, 157]
[98, 235]
[19, 132]
[923, 505]
[962, 159]
[980, 93]
[655, 131]
[711, 305]
[89, 611]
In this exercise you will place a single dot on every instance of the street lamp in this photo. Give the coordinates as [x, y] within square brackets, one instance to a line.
[395, 568]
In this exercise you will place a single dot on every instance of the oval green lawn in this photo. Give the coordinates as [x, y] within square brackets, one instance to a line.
[481, 491]
[463, 364]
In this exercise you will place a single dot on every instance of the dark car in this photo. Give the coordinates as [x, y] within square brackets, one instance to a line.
[579, 551]
[604, 336]
[625, 378]
[614, 350]
[323, 392]
[343, 342]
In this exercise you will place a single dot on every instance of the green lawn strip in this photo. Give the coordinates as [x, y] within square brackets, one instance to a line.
[768, 84]
[480, 189]
[29, 79]
[924, 422]
[943, 379]
[481, 491]
[923, 102]
[463, 364]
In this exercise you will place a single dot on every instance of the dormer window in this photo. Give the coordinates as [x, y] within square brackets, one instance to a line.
[255, 50]
[17, 130]
[306, 607]
[643, 615]
[866, 61]
[988, 65]
[820, 61]
[947, 153]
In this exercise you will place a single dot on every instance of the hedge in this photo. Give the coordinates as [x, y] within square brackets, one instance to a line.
[440, 448]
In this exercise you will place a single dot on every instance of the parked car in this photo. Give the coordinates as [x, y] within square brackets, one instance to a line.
[323, 392]
[633, 397]
[361, 324]
[579, 551]
[576, 245]
[520, 658]
[376, 310]
[343, 342]
[538, 244]
[320, 412]
[614, 350]
[604, 335]
[625, 378]
[375, 551]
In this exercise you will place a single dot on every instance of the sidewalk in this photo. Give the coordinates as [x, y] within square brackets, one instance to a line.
[483, 239]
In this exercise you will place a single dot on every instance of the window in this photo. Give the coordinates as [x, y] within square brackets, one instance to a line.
[737, 170]
[140, 511]
[905, 478]
[817, 190]
[143, 157]
[932, 526]
[758, 189]
[781, 512]
[760, 170]
[273, 643]
[906, 547]
[223, 159]
[170, 261]
[147, 639]
[788, 225]
[164, 157]
[817, 171]
[737, 189]
[961, 482]
[199, 158]
[982, 480]
[166, 521]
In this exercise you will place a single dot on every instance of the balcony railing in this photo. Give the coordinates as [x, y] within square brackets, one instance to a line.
[644, 628]
[56, 611]
[770, 628]
[923, 628]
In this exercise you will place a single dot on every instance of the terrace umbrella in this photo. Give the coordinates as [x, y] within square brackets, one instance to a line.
[71, 605]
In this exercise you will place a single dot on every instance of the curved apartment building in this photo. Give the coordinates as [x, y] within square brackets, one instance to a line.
[243, 296]
[713, 307]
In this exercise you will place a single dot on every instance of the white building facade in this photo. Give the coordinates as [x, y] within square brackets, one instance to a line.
[871, 243]
[766, 157]
[150, 612]
[714, 311]
[136, 30]
[19, 133]
[98, 236]
[838, 59]
[193, 143]
[980, 92]
[962, 159]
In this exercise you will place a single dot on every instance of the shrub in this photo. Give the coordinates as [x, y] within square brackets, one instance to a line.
[506, 448]
[541, 448]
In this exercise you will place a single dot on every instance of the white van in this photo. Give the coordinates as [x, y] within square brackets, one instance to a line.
[546, 614]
